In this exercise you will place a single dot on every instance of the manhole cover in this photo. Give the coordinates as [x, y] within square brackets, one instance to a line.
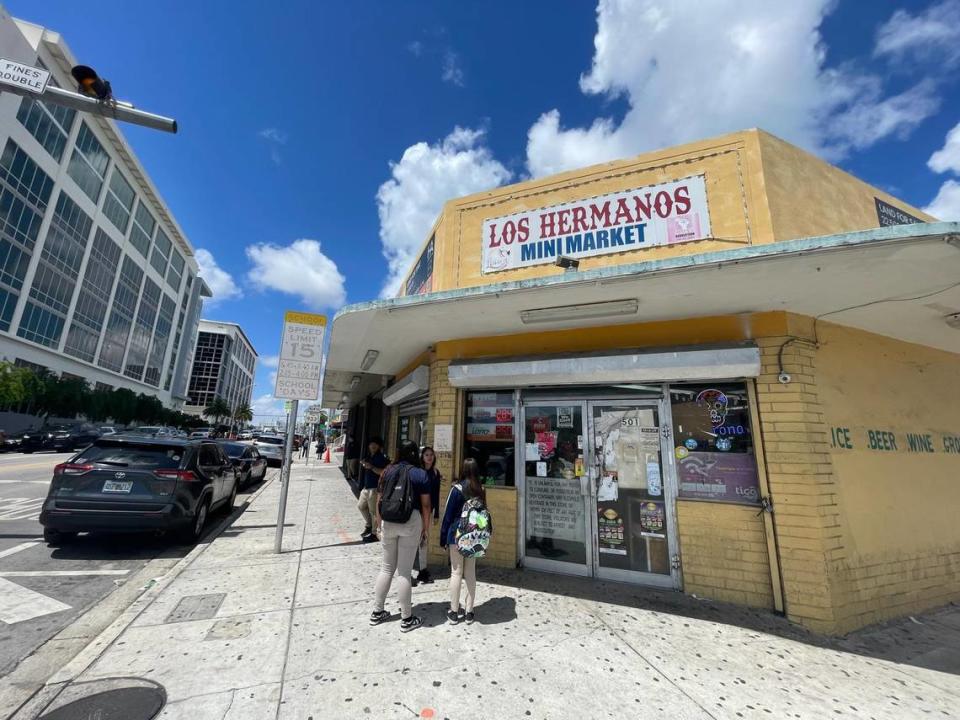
[129, 703]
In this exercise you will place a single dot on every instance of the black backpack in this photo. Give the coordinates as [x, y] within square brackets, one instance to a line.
[396, 500]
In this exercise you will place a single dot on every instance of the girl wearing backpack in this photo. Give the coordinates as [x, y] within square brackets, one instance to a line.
[461, 568]
[404, 507]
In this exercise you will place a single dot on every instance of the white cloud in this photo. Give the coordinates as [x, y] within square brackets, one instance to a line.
[426, 177]
[933, 34]
[299, 269]
[946, 205]
[220, 282]
[947, 157]
[267, 409]
[452, 70]
[415, 48]
[690, 70]
[275, 139]
[270, 361]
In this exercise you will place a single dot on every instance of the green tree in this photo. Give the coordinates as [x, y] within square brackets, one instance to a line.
[12, 389]
[243, 413]
[217, 410]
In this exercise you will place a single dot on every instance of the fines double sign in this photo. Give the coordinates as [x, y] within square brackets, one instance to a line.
[25, 76]
[301, 355]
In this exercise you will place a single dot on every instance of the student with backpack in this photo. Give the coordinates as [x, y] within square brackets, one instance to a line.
[428, 461]
[466, 532]
[404, 508]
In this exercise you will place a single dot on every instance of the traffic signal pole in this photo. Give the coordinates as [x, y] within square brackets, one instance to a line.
[116, 109]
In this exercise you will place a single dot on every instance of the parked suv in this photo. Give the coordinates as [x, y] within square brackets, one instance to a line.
[271, 448]
[62, 437]
[131, 483]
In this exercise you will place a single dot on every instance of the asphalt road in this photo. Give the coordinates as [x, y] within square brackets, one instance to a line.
[44, 589]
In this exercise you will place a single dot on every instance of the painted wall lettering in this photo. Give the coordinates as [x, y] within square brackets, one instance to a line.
[920, 443]
[840, 438]
[881, 440]
[951, 444]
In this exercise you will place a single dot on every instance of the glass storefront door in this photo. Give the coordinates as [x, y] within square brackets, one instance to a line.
[598, 489]
[555, 488]
[633, 492]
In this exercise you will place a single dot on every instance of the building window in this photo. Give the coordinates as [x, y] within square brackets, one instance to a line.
[142, 330]
[102, 387]
[715, 454]
[35, 367]
[161, 250]
[175, 274]
[24, 196]
[489, 436]
[56, 275]
[121, 316]
[142, 232]
[160, 338]
[49, 124]
[91, 309]
[119, 201]
[88, 164]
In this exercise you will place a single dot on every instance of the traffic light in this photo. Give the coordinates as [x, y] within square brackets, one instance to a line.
[89, 83]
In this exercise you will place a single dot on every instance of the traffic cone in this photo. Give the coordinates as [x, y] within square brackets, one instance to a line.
[326, 455]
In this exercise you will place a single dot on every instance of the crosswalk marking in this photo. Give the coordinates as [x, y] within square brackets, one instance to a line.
[18, 603]
[20, 508]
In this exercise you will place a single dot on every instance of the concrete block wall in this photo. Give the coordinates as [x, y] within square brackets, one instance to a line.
[802, 484]
[723, 551]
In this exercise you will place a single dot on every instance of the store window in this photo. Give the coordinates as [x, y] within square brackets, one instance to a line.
[411, 428]
[489, 436]
[714, 443]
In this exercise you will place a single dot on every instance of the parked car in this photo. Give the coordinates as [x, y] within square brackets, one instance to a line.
[108, 430]
[246, 435]
[155, 431]
[271, 447]
[201, 433]
[131, 483]
[250, 464]
[59, 437]
[9, 443]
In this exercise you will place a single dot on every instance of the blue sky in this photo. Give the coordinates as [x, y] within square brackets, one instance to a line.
[318, 139]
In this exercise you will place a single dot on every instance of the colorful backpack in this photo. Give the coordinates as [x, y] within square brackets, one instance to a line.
[474, 529]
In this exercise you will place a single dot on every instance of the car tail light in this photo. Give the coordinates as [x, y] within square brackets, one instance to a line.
[71, 469]
[181, 475]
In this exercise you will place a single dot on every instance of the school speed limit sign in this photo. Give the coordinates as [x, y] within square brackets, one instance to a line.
[301, 354]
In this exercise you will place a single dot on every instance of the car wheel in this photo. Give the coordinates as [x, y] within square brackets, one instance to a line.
[27, 452]
[55, 538]
[191, 534]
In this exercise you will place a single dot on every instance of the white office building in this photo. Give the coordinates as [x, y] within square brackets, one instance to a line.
[97, 280]
[224, 366]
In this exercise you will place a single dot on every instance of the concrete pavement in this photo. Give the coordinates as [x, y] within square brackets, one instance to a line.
[240, 632]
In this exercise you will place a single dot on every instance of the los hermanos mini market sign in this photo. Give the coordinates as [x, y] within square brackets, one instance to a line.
[25, 76]
[301, 355]
[674, 212]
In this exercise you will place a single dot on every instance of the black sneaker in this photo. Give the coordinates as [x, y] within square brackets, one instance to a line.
[410, 623]
[414, 581]
[366, 533]
[452, 617]
[424, 577]
[371, 538]
[469, 618]
[378, 616]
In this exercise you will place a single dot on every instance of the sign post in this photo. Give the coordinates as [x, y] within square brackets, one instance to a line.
[298, 378]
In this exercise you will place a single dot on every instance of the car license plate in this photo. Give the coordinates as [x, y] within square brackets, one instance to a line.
[117, 487]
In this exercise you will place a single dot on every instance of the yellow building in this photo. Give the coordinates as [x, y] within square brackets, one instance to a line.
[727, 368]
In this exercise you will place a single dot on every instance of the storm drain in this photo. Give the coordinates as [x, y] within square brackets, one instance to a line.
[196, 607]
[113, 699]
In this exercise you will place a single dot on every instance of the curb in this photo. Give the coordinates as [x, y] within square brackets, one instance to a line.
[79, 663]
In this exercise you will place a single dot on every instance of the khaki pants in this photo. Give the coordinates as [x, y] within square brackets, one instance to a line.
[367, 505]
[399, 543]
[465, 569]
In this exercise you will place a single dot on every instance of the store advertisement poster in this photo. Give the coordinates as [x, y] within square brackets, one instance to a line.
[653, 519]
[730, 477]
[564, 417]
[547, 443]
[611, 533]
[489, 431]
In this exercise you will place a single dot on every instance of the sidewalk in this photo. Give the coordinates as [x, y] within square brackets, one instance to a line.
[244, 633]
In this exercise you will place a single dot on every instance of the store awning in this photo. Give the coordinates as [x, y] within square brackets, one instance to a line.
[901, 281]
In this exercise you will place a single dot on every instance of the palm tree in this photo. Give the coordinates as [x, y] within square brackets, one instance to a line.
[243, 414]
[217, 410]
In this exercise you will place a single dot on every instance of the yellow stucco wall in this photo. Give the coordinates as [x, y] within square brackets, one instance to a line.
[892, 410]
[760, 189]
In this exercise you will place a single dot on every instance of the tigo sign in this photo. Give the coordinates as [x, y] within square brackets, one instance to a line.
[665, 214]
